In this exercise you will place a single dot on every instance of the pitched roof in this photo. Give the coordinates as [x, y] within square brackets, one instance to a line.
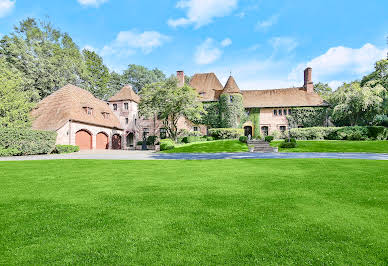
[207, 85]
[290, 97]
[67, 104]
[125, 94]
[231, 86]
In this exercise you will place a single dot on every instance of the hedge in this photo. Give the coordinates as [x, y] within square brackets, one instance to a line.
[28, 141]
[190, 139]
[243, 139]
[268, 138]
[8, 152]
[66, 148]
[226, 133]
[167, 144]
[340, 133]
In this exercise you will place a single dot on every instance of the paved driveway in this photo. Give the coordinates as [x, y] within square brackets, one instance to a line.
[149, 155]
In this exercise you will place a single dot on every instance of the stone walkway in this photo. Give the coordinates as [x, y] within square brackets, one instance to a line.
[150, 155]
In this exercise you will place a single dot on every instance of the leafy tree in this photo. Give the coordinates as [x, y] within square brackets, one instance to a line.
[115, 83]
[140, 76]
[15, 104]
[355, 105]
[96, 75]
[170, 103]
[323, 89]
[380, 75]
[47, 58]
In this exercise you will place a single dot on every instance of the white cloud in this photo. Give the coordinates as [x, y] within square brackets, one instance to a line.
[127, 42]
[226, 42]
[6, 7]
[90, 48]
[202, 12]
[93, 3]
[207, 52]
[285, 44]
[342, 62]
[265, 24]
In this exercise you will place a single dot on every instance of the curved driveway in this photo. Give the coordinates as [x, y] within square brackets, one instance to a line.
[149, 155]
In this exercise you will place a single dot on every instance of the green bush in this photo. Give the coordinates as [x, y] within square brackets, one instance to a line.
[8, 152]
[151, 140]
[340, 133]
[186, 133]
[191, 139]
[167, 144]
[226, 133]
[139, 143]
[209, 138]
[66, 148]
[268, 138]
[287, 145]
[243, 139]
[28, 141]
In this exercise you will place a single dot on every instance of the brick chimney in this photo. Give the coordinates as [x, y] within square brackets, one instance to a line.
[181, 78]
[308, 83]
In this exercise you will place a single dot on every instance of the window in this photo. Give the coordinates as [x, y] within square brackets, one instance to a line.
[289, 111]
[135, 121]
[275, 112]
[115, 107]
[201, 94]
[280, 112]
[88, 110]
[195, 129]
[126, 121]
[282, 129]
[300, 126]
[163, 133]
[285, 111]
[126, 106]
[105, 115]
[231, 98]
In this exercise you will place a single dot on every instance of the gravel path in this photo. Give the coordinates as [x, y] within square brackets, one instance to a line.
[149, 155]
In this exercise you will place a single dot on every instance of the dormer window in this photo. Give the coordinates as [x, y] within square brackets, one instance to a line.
[201, 94]
[126, 106]
[115, 107]
[88, 110]
[105, 115]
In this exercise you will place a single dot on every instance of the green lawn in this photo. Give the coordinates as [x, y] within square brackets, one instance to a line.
[210, 147]
[336, 146]
[314, 211]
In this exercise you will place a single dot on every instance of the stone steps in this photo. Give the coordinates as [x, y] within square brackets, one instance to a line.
[261, 146]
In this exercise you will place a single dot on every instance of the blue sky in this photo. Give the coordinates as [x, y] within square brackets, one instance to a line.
[265, 44]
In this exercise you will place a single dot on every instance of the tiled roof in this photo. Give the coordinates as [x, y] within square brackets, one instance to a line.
[69, 103]
[207, 85]
[231, 86]
[290, 97]
[125, 94]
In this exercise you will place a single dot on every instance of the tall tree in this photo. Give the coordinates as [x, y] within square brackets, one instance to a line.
[15, 104]
[47, 58]
[323, 89]
[140, 76]
[96, 75]
[170, 103]
[115, 83]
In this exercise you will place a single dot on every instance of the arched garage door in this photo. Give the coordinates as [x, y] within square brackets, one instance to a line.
[83, 139]
[102, 141]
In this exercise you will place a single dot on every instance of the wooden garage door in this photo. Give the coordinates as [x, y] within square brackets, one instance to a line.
[83, 139]
[102, 141]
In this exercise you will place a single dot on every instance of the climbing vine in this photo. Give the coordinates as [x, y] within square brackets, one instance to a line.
[232, 111]
[254, 117]
[307, 116]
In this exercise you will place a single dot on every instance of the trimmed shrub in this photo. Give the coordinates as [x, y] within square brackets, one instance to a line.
[258, 137]
[167, 144]
[186, 133]
[268, 138]
[209, 138]
[340, 133]
[287, 145]
[151, 140]
[8, 152]
[139, 143]
[28, 141]
[243, 139]
[226, 133]
[66, 148]
[190, 139]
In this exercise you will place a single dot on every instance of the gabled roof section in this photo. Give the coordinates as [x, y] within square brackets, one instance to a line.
[290, 97]
[71, 103]
[125, 94]
[231, 86]
[207, 85]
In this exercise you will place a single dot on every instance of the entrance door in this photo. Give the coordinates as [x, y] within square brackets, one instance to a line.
[102, 141]
[83, 139]
[116, 142]
[264, 130]
[248, 131]
[130, 140]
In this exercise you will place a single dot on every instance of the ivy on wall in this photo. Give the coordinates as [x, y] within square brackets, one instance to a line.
[232, 111]
[307, 116]
[254, 117]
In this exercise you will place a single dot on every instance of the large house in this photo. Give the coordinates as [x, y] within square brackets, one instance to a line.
[81, 119]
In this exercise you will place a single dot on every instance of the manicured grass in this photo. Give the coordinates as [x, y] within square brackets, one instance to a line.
[337, 146]
[316, 211]
[211, 147]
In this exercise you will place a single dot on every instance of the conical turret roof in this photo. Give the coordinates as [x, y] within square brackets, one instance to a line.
[231, 86]
[125, 94]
